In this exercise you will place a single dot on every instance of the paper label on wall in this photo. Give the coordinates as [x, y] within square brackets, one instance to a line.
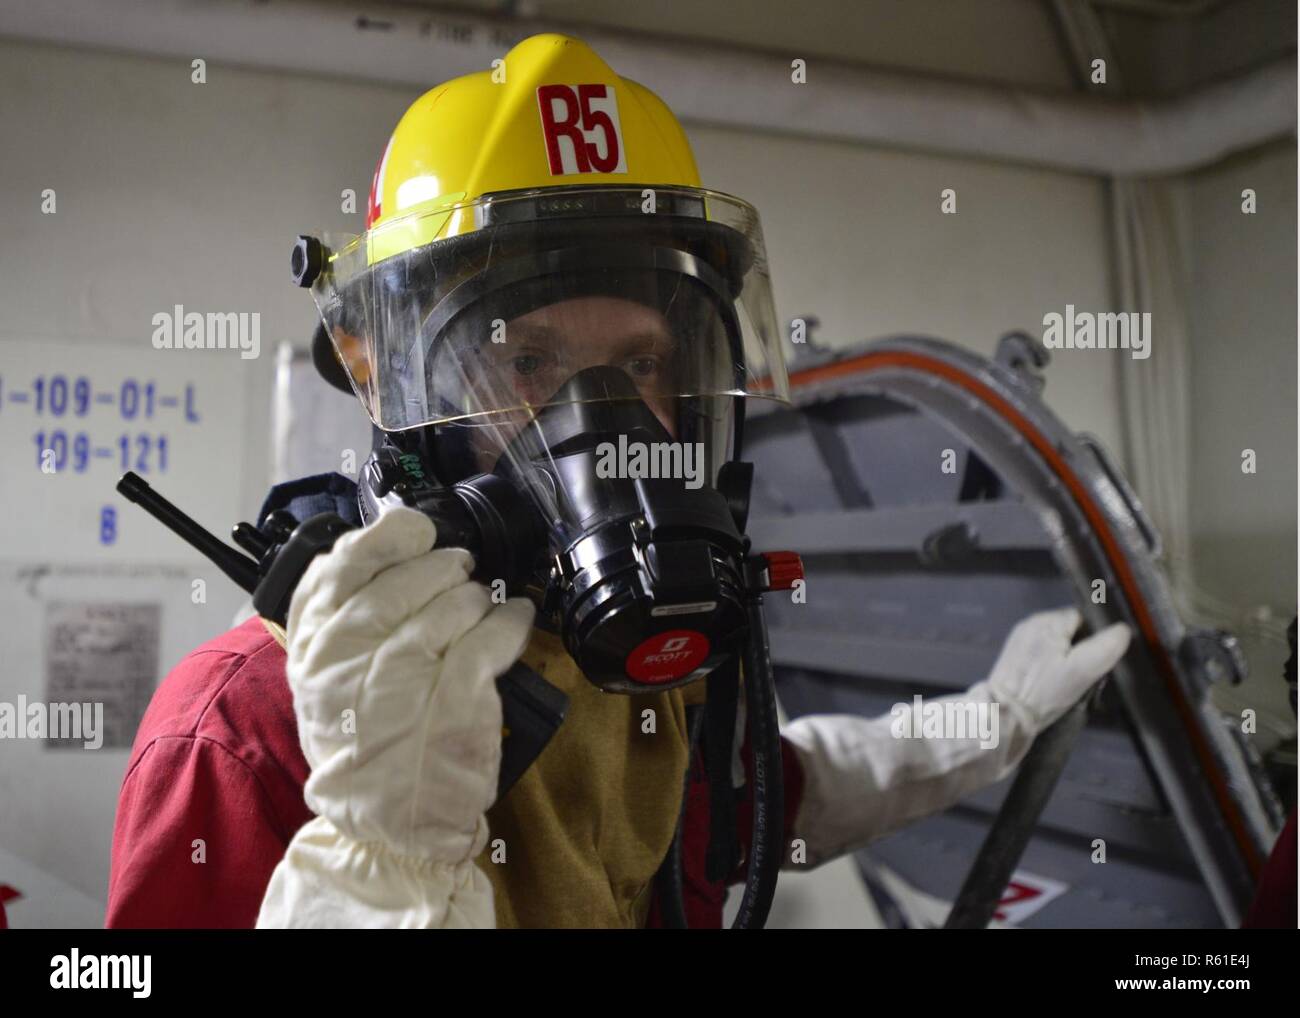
[102, 654]
[75, 416]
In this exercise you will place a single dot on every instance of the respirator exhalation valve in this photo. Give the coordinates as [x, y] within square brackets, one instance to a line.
[644, 607]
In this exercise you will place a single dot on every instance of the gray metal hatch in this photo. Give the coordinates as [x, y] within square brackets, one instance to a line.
[914, 578]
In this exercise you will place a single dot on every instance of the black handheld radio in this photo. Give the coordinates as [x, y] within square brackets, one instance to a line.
[531, 708]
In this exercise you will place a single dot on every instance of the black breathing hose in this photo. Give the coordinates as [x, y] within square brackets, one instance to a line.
[768, 834]
[670, 880]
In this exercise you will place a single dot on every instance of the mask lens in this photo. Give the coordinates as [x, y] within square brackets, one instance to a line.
[679, 300]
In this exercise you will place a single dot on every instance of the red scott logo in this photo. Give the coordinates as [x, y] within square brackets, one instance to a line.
[667, 656]
[582, 131]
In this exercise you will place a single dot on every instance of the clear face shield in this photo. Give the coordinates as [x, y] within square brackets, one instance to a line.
[477, 317]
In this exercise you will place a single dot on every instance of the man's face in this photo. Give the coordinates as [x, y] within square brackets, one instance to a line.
[546, 347]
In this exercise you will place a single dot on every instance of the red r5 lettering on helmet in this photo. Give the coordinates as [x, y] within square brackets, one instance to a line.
[581, 128]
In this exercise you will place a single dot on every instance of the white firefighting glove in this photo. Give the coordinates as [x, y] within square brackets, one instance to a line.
[393, 653]
[863, 779]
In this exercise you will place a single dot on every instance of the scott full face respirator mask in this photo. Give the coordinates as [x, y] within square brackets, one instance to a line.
[557, 377]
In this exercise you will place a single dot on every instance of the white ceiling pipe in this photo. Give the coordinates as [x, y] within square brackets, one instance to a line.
[1080, 133]
[706, 83]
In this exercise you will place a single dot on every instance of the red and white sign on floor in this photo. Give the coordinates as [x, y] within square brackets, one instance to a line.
[1026, 894]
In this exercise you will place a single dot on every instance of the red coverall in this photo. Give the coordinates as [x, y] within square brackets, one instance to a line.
[217, 759]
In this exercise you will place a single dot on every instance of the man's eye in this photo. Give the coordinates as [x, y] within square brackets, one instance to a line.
[642, 367]
[526, 364]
